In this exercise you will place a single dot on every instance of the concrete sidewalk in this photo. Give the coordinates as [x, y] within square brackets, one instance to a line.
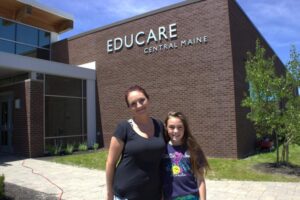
[84, 184]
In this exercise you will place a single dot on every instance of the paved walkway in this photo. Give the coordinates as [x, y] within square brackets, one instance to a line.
[84, 184]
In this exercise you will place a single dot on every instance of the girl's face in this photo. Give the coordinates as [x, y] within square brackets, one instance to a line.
[138, 103]
[175, 129]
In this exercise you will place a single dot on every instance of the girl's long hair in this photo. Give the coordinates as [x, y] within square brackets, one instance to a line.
[198, 159]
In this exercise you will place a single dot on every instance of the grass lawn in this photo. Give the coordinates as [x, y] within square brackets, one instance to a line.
[221, 168]
[243, 169]
[92, 160]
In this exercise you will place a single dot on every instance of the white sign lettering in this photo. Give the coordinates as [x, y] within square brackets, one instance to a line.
[140, 38]
[163, 33]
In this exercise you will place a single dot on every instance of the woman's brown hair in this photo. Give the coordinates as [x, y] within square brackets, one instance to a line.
[135, 88]
[198, 159]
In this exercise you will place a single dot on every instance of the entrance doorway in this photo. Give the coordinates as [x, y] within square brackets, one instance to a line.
[6, 103]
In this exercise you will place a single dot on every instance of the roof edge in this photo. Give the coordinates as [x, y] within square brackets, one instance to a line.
[37, 5]
[12, 61]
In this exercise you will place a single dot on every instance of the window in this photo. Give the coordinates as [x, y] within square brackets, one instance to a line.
[25, 50]
[24, 40]
[7, 29]
[63, 116]
[7, 46]
[27, 35]
[67, 86]
[65, 111]
[44, 39]
[43, 54]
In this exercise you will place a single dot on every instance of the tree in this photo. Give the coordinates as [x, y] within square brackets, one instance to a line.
[263, 98]
[291, 99]
[272, 98]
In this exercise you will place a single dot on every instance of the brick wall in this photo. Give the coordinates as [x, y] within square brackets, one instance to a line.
[59, 52]
[35, 117]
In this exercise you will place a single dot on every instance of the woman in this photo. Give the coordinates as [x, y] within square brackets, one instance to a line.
[184, 163]
[139, 144]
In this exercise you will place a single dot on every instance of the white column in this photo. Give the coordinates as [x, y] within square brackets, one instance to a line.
[91, 111]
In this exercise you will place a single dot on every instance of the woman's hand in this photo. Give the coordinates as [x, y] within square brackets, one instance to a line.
[110, 196]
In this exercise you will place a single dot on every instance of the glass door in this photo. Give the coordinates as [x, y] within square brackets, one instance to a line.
[5, 123]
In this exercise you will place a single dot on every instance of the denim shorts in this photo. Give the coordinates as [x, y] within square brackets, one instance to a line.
[118, 198]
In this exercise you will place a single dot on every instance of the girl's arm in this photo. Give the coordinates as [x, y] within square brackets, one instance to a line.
[202, 189]
[201, 185]
[115, 150]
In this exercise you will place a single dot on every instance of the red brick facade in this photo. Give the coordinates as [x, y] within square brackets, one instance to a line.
[27, 135]
[205, 81]
[35, 117]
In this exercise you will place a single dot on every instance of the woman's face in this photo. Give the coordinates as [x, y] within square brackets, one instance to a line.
[175, 129]
[138, 103]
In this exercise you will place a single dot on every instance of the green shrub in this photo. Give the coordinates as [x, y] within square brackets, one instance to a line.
[54, 150]
[82, 147]
[50, 149]
[1, 186]
[95, 146]
[57, 149]
[69, 149]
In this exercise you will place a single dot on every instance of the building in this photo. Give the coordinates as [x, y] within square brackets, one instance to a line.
[188, 56]
[42, 103]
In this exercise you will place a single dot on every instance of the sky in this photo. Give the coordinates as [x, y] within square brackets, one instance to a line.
[276, 20]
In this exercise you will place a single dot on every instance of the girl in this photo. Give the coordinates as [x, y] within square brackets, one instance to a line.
[184, 163]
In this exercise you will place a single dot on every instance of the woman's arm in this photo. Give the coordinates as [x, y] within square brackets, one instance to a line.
[115, 150]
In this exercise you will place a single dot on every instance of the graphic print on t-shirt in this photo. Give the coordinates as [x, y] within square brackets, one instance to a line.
[179, 164]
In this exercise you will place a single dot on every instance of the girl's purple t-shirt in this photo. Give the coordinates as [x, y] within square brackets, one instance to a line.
[178, 178]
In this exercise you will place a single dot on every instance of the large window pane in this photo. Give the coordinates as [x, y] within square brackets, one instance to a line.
[6, 46]
[26, 50]
[63, 86]
[63, 116]
[43, 54]
[32, 52]
[44, 39]
[7, 29]
[26, 34]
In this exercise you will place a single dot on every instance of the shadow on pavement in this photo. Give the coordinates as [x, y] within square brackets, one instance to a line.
[6, 158]
[15, 192]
